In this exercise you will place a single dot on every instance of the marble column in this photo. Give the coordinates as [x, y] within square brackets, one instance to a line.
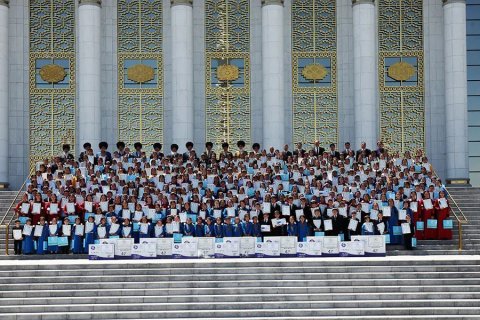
[364, 73]
[273, 74]
[4, 93]
[455, 50]
[182, 71]
[89, 68]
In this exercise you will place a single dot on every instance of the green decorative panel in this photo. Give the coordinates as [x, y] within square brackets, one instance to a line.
[401, 74]
[314, 71]
[51, 77]
[227, 71]
[140, 71]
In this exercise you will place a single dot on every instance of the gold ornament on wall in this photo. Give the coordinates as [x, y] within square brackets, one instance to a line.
[227, 72]
[401, 71]
[314, 72]
[52, 73]
[140, 73]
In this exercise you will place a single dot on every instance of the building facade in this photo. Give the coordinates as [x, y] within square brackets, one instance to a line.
[267, 71]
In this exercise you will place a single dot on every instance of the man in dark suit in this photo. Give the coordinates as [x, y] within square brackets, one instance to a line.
[157, 148]
[227, 154]
[286, 153]
[209, 154]
[333, 153]
[186, 154]
[107, 156]
[86, 146]
[363, 150]
[266, 225]
[299, 151]
[347, 150]
[317, 150]
[338, 224]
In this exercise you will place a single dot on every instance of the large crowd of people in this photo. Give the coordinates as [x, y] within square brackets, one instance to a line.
[70, 203]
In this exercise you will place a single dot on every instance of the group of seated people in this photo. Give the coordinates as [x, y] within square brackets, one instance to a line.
[135, 194]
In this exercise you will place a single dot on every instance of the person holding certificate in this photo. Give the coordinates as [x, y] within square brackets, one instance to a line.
[41, 235]
[408, 230]
[209, 228]
[199, 228]
[292, 230]
[256, 228]
[53, 208]
[266, 225]
[218, 228]
[53, 232]
[367, 227]
[17, 237]
[188, 228]
[28, 246]
[78, 231]
[71, 208]
[102, 229]
[393, 223]
[237, 228]
[159, 230]
[429, 214]
[115, 229]
[442, 208]
[278, 225]
[66, 231]
[23, 208]
[90, 233]
[354, 227]
[37, 208]
[127, 229]
[417, 215]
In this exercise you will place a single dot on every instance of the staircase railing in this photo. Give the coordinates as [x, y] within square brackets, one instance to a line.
[461, 218]
[15, 200]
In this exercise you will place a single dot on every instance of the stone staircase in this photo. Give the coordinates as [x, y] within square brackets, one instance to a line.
[6, 198]
[440, 287]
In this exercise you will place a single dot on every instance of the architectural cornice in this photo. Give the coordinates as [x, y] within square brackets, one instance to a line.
[181, 2]
[354, 2]
[94, 2]
[269, 2]
[453, 1]
[4, 2]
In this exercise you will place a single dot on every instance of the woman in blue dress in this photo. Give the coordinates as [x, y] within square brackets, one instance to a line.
[256, 228]
[292, 230]
[247, 226]
[303, 229]
[209, 228]
[199, 228]
[53, 231]
[90, 233]
[144, 229]
[367, 227]
[159, 230]
[393, 222]
[43, 238]
[27, 245]
[77, 242]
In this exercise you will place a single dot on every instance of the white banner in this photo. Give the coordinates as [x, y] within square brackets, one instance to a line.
[206, 247]
[185, 250]
[164, 247]
[229, 248]
[123, 247]
[288, 246]
[144, 250]
[351, 249]
[247, 246]
[267, 249]
[313, 247]
[330, 246]
[101, 251]
[373, 245]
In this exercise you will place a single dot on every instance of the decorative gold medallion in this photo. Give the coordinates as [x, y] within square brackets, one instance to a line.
[140, 73]
[227, 72]
[52, 73]
[401, 71]
[314, 72]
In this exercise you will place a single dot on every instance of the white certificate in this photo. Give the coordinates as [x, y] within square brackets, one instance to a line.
[25, 207]
[330, 212]
[368, 226]
[70, 207]
[443, 203]
[88, 206]
[202, 214]
[406, 228]
[373, 214]
[169, 228]
[173, 212]
[158, 231]
[175, 226]
[428, 204]
[79, 229]
[241, 214]
[265, 228]
[104, 206]
[328, 225]
[285, 210]
[98, 218]
[102, 232]
[366, 207]
[126, 231]
[342, 211]
[414, 206]
[89, 227]
[230, 212]
[183, 217]
[114, 228]
[194, 207]
[352, 224]
[138, 215]
[27, 230]
[67, 230]
[267, 207]
[38, 231]
[151, 213]
[36, 207]
[402, 215]
[298, 213]
[125, 214]
[381, 227]
[217, 213]
[387, 211]
[17, 234]
[317, 223]
[144, 228]
[52, 229]
[53, 208]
